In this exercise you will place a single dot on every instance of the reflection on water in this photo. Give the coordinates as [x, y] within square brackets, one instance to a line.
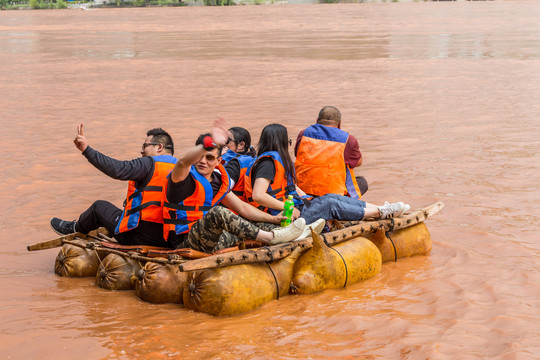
[443, 97]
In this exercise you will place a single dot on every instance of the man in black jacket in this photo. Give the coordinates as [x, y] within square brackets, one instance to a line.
[141, 220]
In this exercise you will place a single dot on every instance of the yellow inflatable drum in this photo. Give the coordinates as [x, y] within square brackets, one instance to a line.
[410, 241]
[323, 267]
[240, 288]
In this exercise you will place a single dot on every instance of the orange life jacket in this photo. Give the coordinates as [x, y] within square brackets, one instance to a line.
[280, 188]
[146, 203]
[181, 217]
[239, 187]
[245, 162]
[320, 163]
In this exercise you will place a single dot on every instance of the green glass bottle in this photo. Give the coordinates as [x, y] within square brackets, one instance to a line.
[287, 211]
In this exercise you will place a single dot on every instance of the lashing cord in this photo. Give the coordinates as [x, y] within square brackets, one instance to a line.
[341, 256]
[387, 234]
[272, 271]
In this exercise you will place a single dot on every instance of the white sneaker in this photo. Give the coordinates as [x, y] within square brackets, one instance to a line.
[316, 226]
[407, 208]
[388, 211]
[289, 233]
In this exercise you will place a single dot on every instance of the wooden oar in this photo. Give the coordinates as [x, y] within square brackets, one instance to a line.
[60, 240]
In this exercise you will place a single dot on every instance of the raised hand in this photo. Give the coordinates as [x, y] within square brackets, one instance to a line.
[220, 134]
[80, 139]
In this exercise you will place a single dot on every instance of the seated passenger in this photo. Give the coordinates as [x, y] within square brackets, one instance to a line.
[197, 184]
[238, 158]
[141, 220]
[272, 178]
[239, 143]
[323, 148]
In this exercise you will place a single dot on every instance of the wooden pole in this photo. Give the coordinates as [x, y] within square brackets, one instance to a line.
[60, 240]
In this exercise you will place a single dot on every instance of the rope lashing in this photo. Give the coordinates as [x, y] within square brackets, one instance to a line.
[387, 234]
[341, 256]
[272, 271]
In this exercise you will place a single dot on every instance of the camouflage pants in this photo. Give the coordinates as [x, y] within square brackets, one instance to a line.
[221, 228]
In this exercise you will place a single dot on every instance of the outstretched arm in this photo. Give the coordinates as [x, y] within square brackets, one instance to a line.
[136, 169]
[183, 165]
[219, 137]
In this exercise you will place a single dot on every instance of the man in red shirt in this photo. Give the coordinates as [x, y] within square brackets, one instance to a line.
[326, 157]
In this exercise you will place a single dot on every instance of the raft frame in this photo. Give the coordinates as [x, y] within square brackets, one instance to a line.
[345, 231]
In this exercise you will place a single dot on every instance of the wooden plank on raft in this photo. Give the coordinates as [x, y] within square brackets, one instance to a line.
[360, 228]
[248, 256]
[276, 252]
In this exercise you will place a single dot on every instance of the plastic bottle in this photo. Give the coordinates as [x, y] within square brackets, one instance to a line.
[287, 211]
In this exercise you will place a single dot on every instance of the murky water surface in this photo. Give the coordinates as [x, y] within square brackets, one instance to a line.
[443, 97]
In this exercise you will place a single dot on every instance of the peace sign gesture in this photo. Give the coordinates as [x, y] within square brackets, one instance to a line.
[80, 140]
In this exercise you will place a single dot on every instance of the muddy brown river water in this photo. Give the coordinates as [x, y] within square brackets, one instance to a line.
[444, 98]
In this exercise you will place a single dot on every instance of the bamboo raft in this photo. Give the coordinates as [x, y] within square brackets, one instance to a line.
[206, 282]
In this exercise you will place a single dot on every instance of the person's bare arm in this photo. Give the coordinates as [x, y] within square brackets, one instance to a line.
[261, 197]
[183, 165]
[248, 211]
[299, 191]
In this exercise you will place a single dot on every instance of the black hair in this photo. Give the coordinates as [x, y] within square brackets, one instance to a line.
[240, 134]
[329, 114]
[200, 141]
[274, 137]
[161, 136]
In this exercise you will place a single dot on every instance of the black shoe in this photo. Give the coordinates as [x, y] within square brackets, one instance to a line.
[62, 227]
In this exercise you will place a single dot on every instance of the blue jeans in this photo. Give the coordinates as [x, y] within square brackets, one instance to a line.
[333, 206]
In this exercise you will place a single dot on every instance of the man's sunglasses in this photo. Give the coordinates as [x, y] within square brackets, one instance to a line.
[145, 145]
